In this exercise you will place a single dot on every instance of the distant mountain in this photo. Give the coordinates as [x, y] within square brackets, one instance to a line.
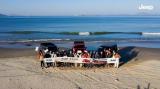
[2, 15]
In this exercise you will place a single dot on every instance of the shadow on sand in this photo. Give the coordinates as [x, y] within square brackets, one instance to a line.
[128, 54]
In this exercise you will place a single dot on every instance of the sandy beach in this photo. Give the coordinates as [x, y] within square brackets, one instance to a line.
[79, 44]
[140, 69]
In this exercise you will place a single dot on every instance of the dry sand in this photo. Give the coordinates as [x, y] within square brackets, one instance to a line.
[141, 70]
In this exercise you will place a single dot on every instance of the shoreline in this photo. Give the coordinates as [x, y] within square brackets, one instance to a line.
[91, 45]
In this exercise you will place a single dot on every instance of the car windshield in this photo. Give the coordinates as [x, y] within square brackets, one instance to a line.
[112, 47]
[48, 44]
[79, 46]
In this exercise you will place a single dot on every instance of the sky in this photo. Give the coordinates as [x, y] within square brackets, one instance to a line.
[77, 7]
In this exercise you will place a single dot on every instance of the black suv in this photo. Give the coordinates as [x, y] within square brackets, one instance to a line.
[50, 46]
[113, 47]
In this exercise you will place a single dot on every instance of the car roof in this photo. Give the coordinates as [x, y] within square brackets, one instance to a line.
[114, 46]
[79, 43]
[48, 44]
[108, 45]
[76, 42]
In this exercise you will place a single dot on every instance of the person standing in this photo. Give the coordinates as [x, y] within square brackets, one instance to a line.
[117, 57]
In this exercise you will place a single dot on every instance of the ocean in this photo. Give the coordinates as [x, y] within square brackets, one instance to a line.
[143, 31]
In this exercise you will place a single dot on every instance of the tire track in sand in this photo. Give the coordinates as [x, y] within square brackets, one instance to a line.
[90, 77]
[66, 77]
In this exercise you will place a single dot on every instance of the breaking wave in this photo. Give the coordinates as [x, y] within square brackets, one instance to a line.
[71, 33]
[151, 33]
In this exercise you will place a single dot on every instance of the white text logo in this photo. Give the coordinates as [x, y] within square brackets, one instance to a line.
[145, 7]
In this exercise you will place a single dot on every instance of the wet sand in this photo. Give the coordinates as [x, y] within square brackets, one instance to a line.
[16, 52]
[140, 69]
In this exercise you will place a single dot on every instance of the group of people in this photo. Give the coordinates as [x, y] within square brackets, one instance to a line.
[106, 53]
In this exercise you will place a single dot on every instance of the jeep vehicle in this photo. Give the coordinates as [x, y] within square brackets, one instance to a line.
[49, 46]
[113, 47]
[78, 45]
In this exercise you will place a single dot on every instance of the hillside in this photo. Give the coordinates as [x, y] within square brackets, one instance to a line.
[2, 15]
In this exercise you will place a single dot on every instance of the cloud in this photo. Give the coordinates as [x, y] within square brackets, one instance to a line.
[146, 7]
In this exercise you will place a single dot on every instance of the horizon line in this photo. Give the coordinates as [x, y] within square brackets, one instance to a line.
[82, 15]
